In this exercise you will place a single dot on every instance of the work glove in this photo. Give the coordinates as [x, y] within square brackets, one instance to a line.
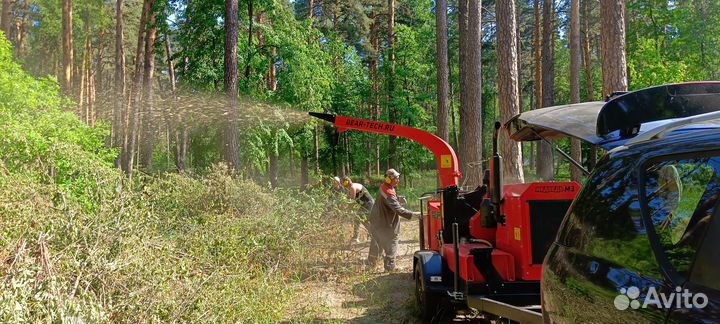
[415, 215]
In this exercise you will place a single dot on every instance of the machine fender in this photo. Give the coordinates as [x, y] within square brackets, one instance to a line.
[431, 263]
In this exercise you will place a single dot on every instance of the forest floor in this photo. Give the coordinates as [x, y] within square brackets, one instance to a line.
[354, 295]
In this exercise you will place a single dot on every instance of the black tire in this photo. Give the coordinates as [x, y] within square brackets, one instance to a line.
[427, 302]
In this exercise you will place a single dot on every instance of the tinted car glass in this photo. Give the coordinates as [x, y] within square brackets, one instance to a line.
[681, 194]
[705, 268]
[605, 220]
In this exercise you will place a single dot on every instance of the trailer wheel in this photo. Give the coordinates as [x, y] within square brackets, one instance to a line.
[427, 302]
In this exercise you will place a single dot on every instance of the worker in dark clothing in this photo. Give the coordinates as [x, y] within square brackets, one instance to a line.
[358, 193]
[385, 222]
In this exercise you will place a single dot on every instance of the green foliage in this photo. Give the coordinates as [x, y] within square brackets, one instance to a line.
[39, 134]
[84, 248]
[648, 67]
[180, 249]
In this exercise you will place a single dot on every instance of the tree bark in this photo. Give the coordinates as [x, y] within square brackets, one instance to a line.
[316, 147]
[118, 126]
[67, 38]
[271, 77]
[614, 64]
[83, 79]
[375, 77]
[148, 122]
[575, 62]
[180, 128]
[132, 111]
[537, 48]
[587, 61]
[23, 29]
[311, 9]
[304, 172]
[518, 64]
[392, 110]
[545, 167]
[232, 147]
[442, 69]
[508, 89]
[470, 91]
[273, 169]
[453, 122]
[587, 53]
[6, 18]
[250, 38]
[171, 65]
[93, 73]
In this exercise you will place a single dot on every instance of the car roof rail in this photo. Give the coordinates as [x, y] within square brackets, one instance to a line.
[660, 131]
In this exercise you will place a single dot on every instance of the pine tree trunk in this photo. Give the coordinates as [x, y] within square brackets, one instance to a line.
[132, 110]
[441, 32]
[453, 122]
[180, 129]
[23, 29]
[614, 65]
[587, 61]
[587, 53]
[575, 62]
[231, 135]
[118, 125]
[83, 73]
[6, 18]
[91, 81]
[273, 169]
[304, 172]
[518, 39]
[470, 91]
[538, 74]
[545, 166]
[292, 163]
[311, 9]
[148, 122]
[392, 110]
[249, 40]
[374, 75]
[272, 71]
[508, 88]
[316, 138]
[67, 38]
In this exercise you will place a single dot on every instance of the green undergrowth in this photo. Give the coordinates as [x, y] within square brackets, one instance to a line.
[80, 244]
[181, 248]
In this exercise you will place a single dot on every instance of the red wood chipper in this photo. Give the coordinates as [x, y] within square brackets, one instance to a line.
[480, 249]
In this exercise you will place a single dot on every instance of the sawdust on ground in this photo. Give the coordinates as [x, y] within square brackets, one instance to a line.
[346, 293]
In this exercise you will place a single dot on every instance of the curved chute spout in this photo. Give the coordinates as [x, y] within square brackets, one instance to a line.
[448, 168]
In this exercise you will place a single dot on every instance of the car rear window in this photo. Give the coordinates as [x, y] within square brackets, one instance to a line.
[680, 197]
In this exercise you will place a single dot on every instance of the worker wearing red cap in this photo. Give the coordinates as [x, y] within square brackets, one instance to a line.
[385, 222]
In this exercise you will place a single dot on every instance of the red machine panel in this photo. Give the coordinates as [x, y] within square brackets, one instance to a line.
[537, 210]
[477, 231]
[432, 225]
[502, 261]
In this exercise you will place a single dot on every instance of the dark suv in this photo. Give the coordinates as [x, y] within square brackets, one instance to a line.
[641, 242]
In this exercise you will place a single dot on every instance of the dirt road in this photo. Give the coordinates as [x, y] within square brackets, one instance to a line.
[374, 296]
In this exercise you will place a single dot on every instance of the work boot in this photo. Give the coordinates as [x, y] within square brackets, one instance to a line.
[389, 264]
